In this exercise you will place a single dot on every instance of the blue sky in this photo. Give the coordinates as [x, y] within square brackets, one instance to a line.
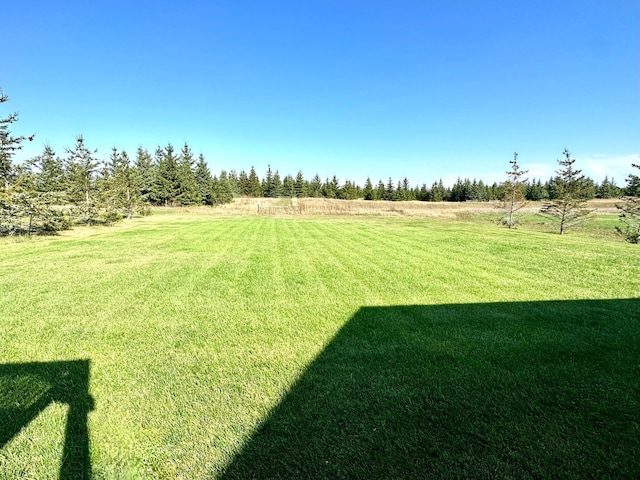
[418, 89]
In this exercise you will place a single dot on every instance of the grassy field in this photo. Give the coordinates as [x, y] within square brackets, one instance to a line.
[186, 345]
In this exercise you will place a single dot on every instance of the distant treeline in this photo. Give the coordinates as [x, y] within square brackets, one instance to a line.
[50, 192]
[174, 178]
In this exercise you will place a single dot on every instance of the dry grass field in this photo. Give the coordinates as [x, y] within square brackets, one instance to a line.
[326, 206]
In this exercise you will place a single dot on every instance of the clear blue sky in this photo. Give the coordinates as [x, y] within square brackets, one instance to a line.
[422, 89]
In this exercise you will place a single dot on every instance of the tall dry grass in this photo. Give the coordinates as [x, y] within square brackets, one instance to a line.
[324, 206]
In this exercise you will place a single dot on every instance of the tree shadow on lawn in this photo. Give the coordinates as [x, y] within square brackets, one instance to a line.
[520, 390]
[26, 389]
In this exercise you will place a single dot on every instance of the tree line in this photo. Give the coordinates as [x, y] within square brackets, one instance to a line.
[50, 192]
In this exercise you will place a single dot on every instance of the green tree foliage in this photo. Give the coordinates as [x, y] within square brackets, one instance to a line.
[8, 144]
[368, 190]
[570, 192]
[48, 172]
[300, 186]
[146, 175]
[204, 180]
[167, 185]
[187, 185]
[630, 209]
[514, 192]
[255, 189]
[124, 187]
[608, 189]
[288, 186]
[221, 189]
[81, 167]
[535, 191]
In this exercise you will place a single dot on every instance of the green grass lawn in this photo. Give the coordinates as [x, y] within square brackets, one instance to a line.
[194, 346]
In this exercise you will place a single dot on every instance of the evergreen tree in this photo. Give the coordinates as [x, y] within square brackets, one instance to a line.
[379, 191]
[389, 191]
[368, 190]
[243, 184]
[423, 194]
[188, 192]
[300, 186]
[630, 210]
[221, 190]
[288, 187]
[255, 190]
[81, 175]
[277, 186]
[514, 190]
[437, 191]
[147, 175]
[167, 185]
[204, 180]
[8, 144]
[48, 171]
[126, 185]
[268, 188]
[608, 189]
[570, 193]
[315, 187]
[349, 191]
[535, 191]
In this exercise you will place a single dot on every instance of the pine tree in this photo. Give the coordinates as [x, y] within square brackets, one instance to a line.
[389, 191]
[146, 173]
[48, 172]
[380, 190]
[167, 185]
[221, 191]
[8, 144]
[188, 192]
[126, 185]
[514, 189]
[630, 210]
[268, 189]
[570, 193]
[315, 187]
[608, 189]
[437, 191]
[255, 190]
[300, 185]
[81, 175]
[243, 184]
[277, 190]
[288, 187]
[368, 190]
[204, 180]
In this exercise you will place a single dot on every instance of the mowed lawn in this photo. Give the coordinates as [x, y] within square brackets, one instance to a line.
[193, 346]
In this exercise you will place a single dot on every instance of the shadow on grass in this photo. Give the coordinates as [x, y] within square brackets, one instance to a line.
[503, 390]
[26, 389]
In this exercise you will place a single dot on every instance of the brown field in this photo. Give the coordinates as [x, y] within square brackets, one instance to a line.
[325, 206]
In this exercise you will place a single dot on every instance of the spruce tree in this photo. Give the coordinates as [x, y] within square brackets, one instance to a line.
[48, 171]
[8, 144]
[368, 189]
[167, 185]
[300, 185]
[514, 192]
[288, 186]
[315, 187]
[255, 190]
[630, 210]
[145, 171]
[81, 176]
[277, 190]
[568, 204]
[187, 191]
[204, 180]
